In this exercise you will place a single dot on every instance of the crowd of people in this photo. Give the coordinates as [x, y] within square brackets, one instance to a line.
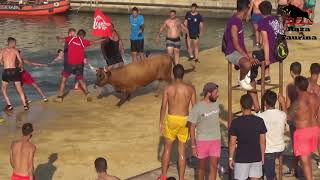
[256, 139]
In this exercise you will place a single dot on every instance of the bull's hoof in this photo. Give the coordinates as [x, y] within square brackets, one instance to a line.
[99, 96]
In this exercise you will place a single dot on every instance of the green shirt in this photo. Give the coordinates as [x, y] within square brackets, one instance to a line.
[206, 117]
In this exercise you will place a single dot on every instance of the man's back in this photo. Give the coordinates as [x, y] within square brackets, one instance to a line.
[275, 121]
[179, 98]
[314, 88]
[9, 56]
[247, 129]
[22, 154]
[307, 111]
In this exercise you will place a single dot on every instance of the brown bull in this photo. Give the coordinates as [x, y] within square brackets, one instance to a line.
[128, 78]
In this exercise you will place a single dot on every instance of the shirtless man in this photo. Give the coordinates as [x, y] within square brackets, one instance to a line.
[101, 168]
[21, 155]
[314, 87]
[177, 97]
[11, 72]
[255, 19]
[306, 116]
[291, 96]
[175, 28]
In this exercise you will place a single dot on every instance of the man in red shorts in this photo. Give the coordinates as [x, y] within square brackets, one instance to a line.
[75, 62]
[306, 115]
[27, 79]
[21, 155]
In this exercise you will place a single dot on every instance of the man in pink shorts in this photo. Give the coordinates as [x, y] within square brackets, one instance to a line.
[207, 141]
[306, 114]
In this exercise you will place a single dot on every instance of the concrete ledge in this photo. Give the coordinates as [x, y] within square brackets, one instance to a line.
[208, 8]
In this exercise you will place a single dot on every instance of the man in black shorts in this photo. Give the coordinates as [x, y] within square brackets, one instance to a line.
[11, 72]
[137, 35]
[194, 22]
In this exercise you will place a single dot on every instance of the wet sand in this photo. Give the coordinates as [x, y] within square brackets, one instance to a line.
[75, 132]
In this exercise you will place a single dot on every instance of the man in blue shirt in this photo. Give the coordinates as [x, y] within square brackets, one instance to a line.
[137, 35]
[194, 22]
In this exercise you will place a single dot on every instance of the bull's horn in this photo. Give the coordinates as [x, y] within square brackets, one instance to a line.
[92, 68]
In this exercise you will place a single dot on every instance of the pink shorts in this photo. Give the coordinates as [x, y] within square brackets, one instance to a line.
[306, 140]
[211, 148]
[19, 177]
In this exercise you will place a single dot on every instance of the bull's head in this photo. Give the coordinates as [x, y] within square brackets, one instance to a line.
[102, 77]
[286, 10]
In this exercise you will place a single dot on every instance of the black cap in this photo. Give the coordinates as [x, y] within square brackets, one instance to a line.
[209, 87]
[194, 5]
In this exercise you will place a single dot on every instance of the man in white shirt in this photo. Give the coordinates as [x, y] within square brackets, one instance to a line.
[275, 121]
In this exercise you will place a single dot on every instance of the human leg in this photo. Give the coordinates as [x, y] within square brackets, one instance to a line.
[166, 156]
[213, 168]
[4, 88]
[21, 93]
[182, 159]
[176, 55]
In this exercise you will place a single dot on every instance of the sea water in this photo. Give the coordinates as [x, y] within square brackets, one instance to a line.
[36, 38]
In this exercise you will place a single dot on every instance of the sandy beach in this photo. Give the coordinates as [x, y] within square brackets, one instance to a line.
[74, 133]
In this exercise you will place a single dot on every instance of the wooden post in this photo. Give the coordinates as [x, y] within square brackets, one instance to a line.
[280, 167]
[229, 94]
[263, 71]
[230, 114]
[281, 78]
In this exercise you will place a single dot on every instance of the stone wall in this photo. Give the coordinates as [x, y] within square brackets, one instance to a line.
[212, 8]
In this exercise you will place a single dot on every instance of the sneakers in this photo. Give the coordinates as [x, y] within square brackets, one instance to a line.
[245, 85]
[45, 99]
[266, 80]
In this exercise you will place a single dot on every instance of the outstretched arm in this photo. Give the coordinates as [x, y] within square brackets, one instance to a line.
[34, 63]
[97, 41]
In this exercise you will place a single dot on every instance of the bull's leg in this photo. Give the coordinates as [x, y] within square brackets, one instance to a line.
[123, 100]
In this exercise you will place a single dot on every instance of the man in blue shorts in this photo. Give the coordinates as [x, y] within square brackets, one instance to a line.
[194, 22]
[137, 35]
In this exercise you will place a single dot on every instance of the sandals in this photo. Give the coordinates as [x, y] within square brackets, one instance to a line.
[26, 108]
[8, 108]
[59, 99]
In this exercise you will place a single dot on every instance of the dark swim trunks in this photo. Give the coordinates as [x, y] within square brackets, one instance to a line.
[137, 45]
[173, 42]
[76, 69]
[193, 36]
[11, 75]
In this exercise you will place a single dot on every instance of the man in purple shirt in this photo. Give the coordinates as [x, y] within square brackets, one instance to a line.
[235, 50]
[269, 27]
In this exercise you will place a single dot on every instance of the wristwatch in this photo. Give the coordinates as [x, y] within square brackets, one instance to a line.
[230, 159]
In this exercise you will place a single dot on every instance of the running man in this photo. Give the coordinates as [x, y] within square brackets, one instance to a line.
[175, 27]
[247, 143]
[101, 168]
[177, 98]
[113, 50]
[11, 72]
[306, 116]
[137, 34]
[27, 79]
[194, 22]
[22, 154]
[204, 119]
[255, 19]
[235, 51]
[75, 62]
